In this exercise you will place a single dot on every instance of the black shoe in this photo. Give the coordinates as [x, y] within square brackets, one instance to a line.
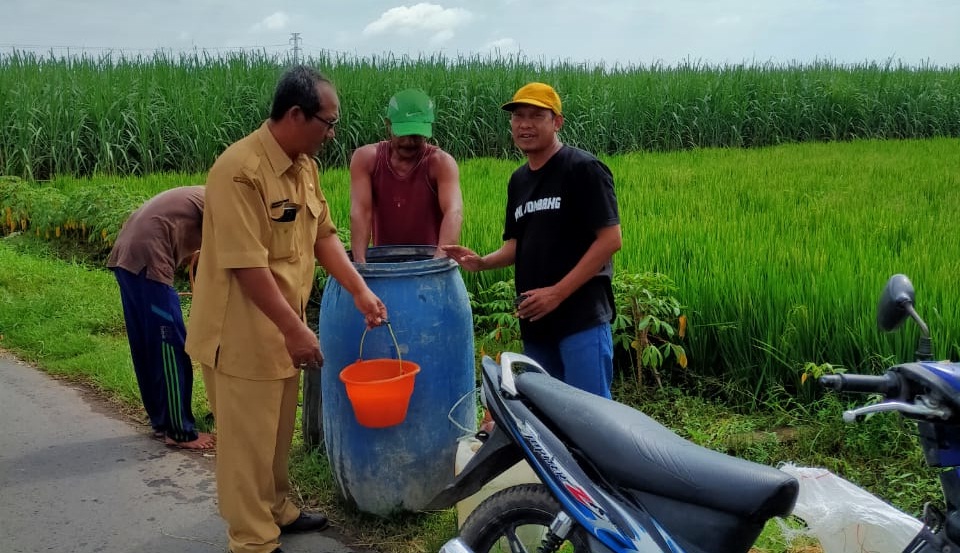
[306, 522]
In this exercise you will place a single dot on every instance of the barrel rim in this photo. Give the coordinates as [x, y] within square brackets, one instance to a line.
[417, 266]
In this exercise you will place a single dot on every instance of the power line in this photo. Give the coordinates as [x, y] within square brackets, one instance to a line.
[295, 39]
[18, 46]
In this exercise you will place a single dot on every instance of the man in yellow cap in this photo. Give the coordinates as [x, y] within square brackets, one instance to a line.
[562, 229]
[404, 190]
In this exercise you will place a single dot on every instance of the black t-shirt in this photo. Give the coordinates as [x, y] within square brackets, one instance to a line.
[554, 214]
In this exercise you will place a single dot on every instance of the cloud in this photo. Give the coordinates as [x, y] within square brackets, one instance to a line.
[273, 22]
[433, 19]
[502, 45]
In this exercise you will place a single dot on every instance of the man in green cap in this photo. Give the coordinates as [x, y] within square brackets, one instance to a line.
[404, 190]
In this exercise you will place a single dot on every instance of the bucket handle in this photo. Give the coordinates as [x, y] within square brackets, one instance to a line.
[395, 343]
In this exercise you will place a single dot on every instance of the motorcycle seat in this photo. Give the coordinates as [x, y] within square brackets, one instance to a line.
[633, 451]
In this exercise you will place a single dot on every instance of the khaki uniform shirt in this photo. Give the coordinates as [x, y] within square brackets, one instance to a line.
[262, 210]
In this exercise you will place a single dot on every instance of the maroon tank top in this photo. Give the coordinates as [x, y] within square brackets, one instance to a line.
[406, 210]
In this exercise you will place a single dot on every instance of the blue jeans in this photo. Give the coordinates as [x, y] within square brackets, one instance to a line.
[583, 359]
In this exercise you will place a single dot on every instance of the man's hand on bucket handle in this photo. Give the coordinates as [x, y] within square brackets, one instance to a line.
[374, 312]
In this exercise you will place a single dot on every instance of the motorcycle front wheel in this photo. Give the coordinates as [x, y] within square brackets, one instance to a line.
[516, 520]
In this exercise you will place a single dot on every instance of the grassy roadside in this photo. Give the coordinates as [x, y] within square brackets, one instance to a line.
[66, 318]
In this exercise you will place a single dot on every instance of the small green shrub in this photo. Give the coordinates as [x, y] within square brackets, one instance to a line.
[495, 323]
[646, 330]
[648, 324]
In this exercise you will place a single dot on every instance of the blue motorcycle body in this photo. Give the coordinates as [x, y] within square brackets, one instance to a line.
[615, 481]
[622, 482]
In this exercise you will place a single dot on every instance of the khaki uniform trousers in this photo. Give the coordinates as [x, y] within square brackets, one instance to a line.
[255, 422]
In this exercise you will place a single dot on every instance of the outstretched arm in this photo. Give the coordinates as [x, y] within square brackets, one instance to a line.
[469, 260]
[331, 255]
[447, 176]
[361, 200]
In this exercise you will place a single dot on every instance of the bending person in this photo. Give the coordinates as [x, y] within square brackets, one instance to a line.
[153, 243]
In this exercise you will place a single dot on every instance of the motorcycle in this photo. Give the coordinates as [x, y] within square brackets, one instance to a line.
[614, 480]
[928, 392]
[611, 478]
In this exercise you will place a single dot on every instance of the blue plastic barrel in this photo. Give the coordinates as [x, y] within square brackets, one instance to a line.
[399, 468]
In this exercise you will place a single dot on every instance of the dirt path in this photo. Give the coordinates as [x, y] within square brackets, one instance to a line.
[76, 478]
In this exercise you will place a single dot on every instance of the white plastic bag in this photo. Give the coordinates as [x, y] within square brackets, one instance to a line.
[847, 518]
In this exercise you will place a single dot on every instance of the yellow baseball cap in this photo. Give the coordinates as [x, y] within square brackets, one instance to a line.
[535, 94]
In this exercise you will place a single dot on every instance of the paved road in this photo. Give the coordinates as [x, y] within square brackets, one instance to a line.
[76, 479]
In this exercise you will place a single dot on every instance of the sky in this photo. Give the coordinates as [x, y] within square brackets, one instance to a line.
[611, 32]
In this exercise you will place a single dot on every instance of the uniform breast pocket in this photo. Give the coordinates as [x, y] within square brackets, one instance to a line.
[283, 229]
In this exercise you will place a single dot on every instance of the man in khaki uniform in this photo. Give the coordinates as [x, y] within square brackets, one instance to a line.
[265, 221]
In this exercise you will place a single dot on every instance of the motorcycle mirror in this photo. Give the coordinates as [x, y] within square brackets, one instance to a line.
[896, 303]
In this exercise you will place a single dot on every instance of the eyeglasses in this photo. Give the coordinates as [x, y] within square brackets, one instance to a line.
[536, 116]
[332, 124]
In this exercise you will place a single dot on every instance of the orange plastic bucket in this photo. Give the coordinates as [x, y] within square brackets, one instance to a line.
[378, 395]
[379, 390]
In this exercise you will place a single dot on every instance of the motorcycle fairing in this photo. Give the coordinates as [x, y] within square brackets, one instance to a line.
[496, 455]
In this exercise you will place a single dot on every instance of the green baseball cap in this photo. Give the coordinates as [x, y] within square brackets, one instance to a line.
[410, 112]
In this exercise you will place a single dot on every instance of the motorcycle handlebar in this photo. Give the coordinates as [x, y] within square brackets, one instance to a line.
[888, 384]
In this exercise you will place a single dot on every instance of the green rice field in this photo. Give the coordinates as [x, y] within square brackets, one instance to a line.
[779, 253]
[778, 198]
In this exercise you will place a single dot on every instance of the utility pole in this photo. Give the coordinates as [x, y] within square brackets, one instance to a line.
[295, 40]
